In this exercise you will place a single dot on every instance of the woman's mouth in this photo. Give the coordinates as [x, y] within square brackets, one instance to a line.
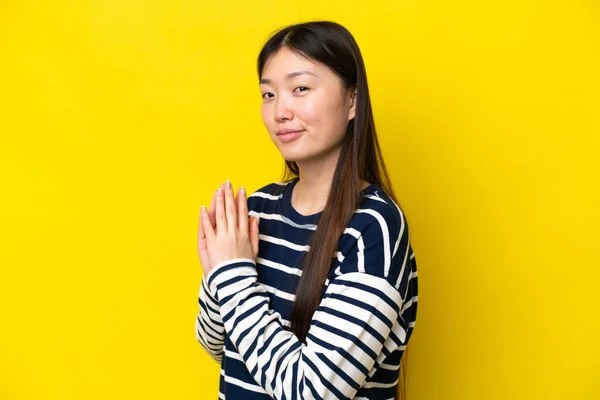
[289, 136]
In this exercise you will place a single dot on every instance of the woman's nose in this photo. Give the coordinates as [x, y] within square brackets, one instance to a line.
[282, 111]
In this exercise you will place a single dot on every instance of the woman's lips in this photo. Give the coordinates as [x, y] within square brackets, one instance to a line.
[288, 137]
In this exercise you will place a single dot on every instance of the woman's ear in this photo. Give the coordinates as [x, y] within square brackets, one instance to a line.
[352, 109]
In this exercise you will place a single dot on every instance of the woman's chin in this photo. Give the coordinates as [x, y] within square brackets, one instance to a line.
[301, 156]
[293, 155]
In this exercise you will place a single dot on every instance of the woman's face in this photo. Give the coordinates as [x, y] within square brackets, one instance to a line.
[307, 99]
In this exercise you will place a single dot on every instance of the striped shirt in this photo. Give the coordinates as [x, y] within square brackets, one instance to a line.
[360, 329]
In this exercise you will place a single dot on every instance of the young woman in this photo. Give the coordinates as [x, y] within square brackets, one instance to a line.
[322, 302]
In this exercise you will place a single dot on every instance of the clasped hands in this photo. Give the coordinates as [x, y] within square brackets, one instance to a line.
[225, 232]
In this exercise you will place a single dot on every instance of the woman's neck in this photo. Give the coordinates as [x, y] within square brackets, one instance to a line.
[310, 197]
[310, 193]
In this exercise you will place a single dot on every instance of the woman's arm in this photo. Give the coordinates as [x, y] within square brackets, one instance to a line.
[210, 331]
[356, 326]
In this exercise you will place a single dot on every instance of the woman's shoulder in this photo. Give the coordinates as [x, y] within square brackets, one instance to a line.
[267, 196]
[270, 191]
[377, 208]
[381, 239]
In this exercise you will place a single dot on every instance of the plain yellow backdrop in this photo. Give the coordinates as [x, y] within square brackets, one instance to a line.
[120, 118]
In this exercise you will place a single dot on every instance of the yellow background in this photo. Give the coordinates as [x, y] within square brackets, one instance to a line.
[120, 118]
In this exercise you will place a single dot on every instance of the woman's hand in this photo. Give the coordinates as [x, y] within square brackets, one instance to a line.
[225, 232]
[202, 246]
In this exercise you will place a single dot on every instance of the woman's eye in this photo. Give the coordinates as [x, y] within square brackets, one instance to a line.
[266, 94]
[302, 87]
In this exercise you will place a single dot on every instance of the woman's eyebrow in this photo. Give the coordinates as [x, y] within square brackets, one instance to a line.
[289, 76]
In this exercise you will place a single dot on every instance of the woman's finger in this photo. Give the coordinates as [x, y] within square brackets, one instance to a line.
[230, 208]
[242, 206]
[211, 210]
[201, 234]
[220, 212]
[207, 228]
[222, 186]
[254, 235]
[203, 247]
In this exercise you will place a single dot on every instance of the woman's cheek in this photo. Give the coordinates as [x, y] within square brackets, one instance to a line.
[268, 119]
[311, 110]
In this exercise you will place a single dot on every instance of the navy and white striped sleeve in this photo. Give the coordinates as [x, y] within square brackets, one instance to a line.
[357, 324]
[210, 331]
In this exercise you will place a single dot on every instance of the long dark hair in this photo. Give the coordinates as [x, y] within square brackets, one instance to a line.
[360, 159]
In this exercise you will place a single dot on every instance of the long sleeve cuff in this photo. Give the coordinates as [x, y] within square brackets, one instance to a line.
[210, 331]
[223, 271]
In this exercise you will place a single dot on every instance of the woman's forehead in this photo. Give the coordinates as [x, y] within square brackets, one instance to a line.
[287, 65]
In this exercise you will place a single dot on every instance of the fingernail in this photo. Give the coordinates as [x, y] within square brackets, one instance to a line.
[204, 209]
[219, 191]
[243, 189]
[228, 184]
